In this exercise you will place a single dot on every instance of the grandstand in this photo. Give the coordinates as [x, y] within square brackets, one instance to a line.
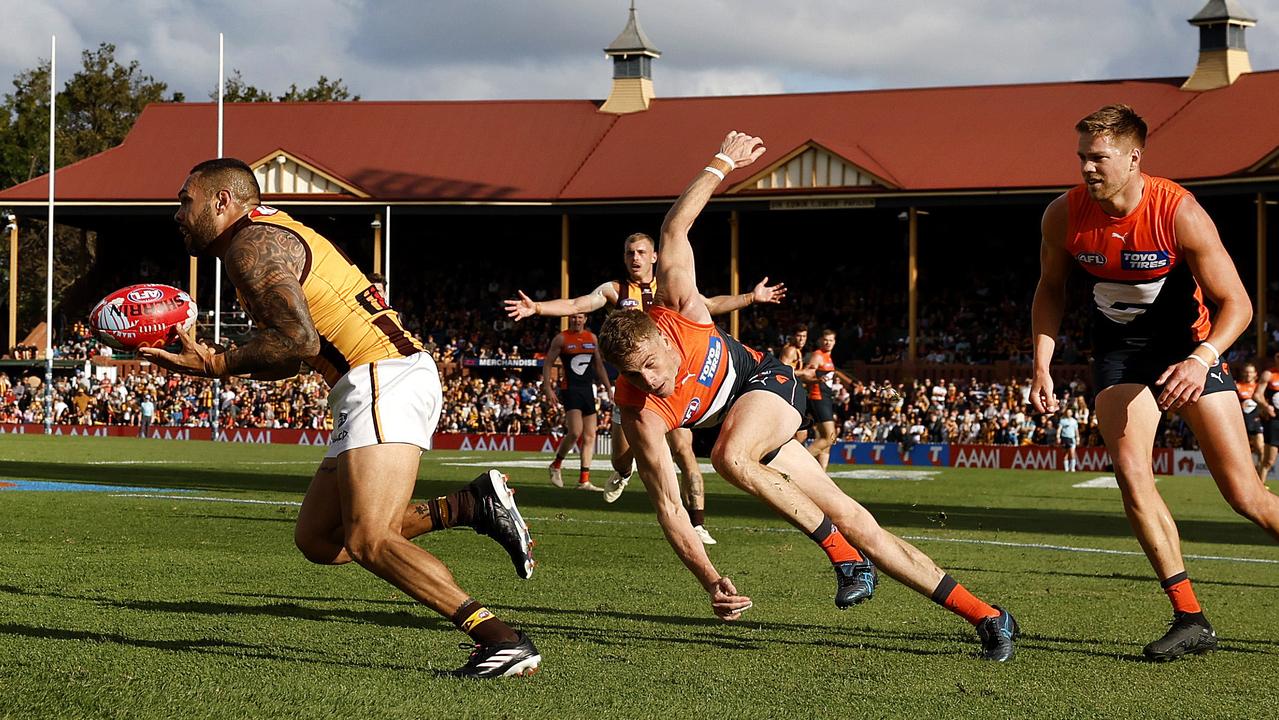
[921, 259]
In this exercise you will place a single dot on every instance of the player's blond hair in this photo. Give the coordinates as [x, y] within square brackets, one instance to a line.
[623, 332]
[1117, 121]
[639, 237]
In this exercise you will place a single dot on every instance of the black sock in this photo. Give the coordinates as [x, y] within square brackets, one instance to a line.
[481, 624]
[697, 517]
[450, 510]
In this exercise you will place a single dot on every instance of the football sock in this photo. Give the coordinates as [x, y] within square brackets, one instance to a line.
[584, 477]
[833, 543]
[559, 460]
[448, 511]
[481, 624]
[956, 598]
[1181, 594]
[697, 517]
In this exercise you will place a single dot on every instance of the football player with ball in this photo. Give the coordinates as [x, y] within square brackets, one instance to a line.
[311, 305]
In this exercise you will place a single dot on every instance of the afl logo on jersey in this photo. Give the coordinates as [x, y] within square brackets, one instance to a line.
[1091, 258]
[691, 410]
[710, 366]
[628, 303]
[1144, 259]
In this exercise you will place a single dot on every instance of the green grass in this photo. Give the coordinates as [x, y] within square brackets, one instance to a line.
[147, 608]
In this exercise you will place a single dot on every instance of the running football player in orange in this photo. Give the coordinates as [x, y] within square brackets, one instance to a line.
[679, 370]
[1152, 254]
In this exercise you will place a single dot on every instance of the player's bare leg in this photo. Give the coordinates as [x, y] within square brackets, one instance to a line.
[823, 440]
[623, 460]
[485, 505]
[1221, 434]
[318, 533]
[1128, 418]
[572, 431]
[795, 486]
[1267, 461]
[692, 485]
[1258, 447]
[587, 426]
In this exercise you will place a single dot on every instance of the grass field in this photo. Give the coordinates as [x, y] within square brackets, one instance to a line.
[142, 607]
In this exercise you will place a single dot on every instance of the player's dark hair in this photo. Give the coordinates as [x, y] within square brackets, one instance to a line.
[799, 328]
[623, 332]
[230, 174]
[1117, 121]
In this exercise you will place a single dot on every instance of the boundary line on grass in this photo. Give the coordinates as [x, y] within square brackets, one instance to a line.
[748, 528]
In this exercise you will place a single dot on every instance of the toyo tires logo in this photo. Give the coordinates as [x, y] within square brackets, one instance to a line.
[142, 295]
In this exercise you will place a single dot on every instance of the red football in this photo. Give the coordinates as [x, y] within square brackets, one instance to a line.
[142, 316]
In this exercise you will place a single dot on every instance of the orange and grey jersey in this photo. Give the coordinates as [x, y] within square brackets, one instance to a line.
[355, 323]
[577, 352]
[1143, 291]
[824, 388]
[635, 294]
[713, 372]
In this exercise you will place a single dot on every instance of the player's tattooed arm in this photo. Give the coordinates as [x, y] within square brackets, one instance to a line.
[264, 264]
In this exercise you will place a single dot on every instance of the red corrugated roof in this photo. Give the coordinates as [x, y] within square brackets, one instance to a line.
[1001, 137]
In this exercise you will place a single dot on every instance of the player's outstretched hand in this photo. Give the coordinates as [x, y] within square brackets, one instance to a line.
[196, 357]
[1182, 384]
[725, 601]
[742, 147]
[522, 308]
[1042, 397]
[765, 293]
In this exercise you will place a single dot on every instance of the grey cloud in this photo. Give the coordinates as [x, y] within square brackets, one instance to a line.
[402, 49]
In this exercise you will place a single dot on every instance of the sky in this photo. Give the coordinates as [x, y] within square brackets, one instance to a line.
[507, 49]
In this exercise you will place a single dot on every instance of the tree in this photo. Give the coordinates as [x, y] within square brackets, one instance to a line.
[324, 90]
[96, 109]
[237, 90]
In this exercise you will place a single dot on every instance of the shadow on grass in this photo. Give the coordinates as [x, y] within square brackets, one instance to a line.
[1033, 520]
[203, 646]
[1112, 576]
[402, 619]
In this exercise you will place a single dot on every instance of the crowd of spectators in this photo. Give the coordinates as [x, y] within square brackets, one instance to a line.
[971, 412]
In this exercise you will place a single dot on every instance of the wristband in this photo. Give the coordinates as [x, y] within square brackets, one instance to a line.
[1198, 359]
[537, 308]
[1216, 354]
[714, 171]
[731, 165]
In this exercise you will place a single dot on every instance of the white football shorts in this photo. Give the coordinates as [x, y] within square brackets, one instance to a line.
[387, 401]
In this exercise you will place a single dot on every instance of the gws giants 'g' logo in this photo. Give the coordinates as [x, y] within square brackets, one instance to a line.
[142, 295]
[1091, 258]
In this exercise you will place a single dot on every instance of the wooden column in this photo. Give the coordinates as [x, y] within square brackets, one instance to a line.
[13, 283]
[1259, 313]
[193, 271]
[734, 266]
[912, 290]
[564, 264]
[377, 242]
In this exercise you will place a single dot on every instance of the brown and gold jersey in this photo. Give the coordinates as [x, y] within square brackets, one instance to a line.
[635, 294]
[355, 323]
